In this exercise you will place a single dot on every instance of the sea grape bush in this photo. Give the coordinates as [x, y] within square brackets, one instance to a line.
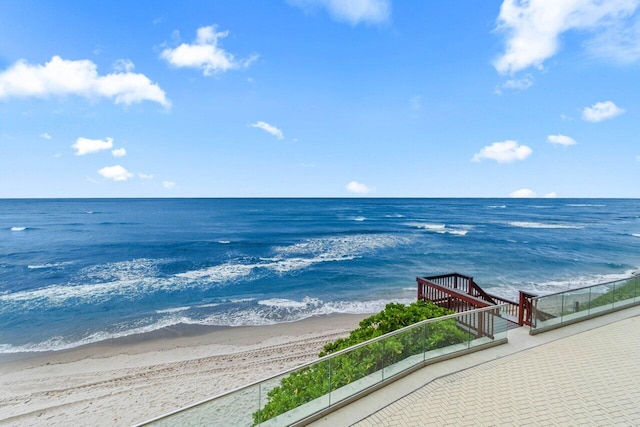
[320, 379]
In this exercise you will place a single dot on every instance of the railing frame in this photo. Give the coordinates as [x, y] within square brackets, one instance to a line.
[462, 292]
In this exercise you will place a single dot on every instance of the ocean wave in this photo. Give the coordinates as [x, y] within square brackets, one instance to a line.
[289, 304]
[360, 218]
[220, 273]
[18, 228]
[49, 265]
[123, 270]
[584, 205]
[541, 225]
[224, 242]
[59, 343]
[264, 312]
[461, 230]
[240, 300]
[497, 207]
[174, 310]
[636, 234]
[135, 278]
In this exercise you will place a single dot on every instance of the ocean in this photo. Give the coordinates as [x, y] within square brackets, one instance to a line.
[81, 271]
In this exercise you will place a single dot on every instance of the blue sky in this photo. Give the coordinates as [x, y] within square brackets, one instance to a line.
[316, 98]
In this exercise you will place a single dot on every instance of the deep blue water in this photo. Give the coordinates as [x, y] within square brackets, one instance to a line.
[79, 271]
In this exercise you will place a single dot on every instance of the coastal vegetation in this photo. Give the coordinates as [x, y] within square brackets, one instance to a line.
[320, 379]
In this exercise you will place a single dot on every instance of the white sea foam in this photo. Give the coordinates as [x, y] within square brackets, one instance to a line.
[265, 312]
[174, 310]
[130, 279]
[49, 265]
[460, 230]
[307, 302]
[636, 234]
[123, 270]
[18, 228]
[224, 242]
[59, 343]
[240, 300]
[497, 207]
[219, 273]
[541, 225]
[584, 205]
[213, 304]
[359, 218]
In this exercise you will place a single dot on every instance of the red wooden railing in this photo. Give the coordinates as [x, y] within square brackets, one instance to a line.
[460, 293]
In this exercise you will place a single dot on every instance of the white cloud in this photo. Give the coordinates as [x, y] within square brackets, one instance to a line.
[351, 11]
[522, 193]
[45, 135]
[551, 195]
[503, 152]
[62, 77]
[601, 111]
[534, 27]
[268, 128]
[168, 184]
[115, 173]
[205, 54]
[618, 42]
[145, 176]
[86, 146]
[359, 188]
[520, 84]
[123, 66]
[561, 140]
[119, 152]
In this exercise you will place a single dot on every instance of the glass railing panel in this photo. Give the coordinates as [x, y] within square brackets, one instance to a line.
[547, 310]
[233, 410]
[403, 351]
[575, 304]
[449, 336]
[601, 298]
[290, 398]
[625, 292]
[356, 370]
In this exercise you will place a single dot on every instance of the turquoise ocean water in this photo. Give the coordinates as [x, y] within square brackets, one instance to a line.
[74, 272]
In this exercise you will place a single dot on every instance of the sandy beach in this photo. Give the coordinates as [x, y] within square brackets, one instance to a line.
[131, 380]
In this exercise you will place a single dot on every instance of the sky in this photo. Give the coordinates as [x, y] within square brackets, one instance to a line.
[320, 98]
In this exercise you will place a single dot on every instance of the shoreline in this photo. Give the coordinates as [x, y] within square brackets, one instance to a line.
[129, 380]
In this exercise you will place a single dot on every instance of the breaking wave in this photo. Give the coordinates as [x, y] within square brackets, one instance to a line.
[460, 230]
[541, 225]
[141, 277]
[263, 312]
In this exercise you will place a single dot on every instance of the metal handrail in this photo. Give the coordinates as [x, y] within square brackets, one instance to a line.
[322, 359]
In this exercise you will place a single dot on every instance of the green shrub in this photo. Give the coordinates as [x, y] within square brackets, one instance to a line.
[322, 378]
